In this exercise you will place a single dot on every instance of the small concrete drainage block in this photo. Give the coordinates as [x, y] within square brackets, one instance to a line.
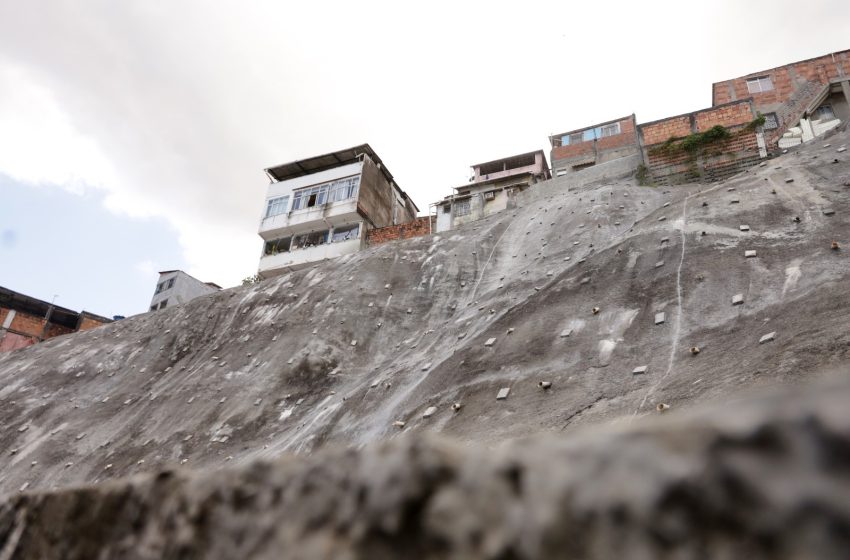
[738, 299]
[490, 342]
[639, 370]
[503, 393]
[749, 254]
[429, 412]
[744, 228]
[769, 337]
[660, 318]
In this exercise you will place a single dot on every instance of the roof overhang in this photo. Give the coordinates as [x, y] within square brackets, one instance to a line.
[517, 156]
[333, 160]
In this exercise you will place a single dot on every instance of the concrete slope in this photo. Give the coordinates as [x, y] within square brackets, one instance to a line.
[765, 480]
[342, 351]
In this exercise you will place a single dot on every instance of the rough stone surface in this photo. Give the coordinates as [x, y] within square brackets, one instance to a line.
[760, 480]
[316, 390]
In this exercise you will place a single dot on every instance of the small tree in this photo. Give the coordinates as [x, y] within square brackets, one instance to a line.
[255, 279]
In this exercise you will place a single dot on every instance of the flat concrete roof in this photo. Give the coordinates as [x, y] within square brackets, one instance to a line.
[517, 156]
[332, 160]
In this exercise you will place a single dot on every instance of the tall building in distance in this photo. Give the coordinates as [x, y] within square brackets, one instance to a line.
[320, 208]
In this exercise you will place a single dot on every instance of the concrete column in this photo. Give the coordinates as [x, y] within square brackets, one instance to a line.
[845, 87]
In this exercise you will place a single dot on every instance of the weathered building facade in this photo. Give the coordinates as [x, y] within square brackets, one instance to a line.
[175, 287]
[26, 320]
[320, 208]
[601, 143]
[492, 188]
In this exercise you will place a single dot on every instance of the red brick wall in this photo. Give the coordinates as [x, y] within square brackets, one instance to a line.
[87, 323]
[740, 113]
[729, 115]
[416, 228]
[660, 131]
[715, 162]
[820, 69]
[31, 325]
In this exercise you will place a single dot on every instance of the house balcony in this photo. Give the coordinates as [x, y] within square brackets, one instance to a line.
[305, 219]
[271, 265]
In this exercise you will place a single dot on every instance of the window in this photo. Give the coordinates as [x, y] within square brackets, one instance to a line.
[490, 195]
[560, 172]
[334, 191]
[153, 307]
[345, 233]
[461, 208]
[609, 130]
[591, 134]
[278, 246]
[771, 122]
[759, 85]
[312, 239]
[163, 303]
[160, 287]
[824, 113]
[170, 284]
[277, 206]
[447, 208]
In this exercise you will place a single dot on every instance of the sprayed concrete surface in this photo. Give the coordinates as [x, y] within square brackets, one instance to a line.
[356, 349]
[760, 479]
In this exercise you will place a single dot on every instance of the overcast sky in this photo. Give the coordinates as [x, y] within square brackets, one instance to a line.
[133, 135]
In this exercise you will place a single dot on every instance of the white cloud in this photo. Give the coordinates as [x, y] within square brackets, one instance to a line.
[147, 268]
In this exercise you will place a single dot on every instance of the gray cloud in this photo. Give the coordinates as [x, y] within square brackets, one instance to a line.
[189, 101]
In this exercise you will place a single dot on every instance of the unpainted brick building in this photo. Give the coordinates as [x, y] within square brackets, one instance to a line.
[25, 320]
[585, 147]
[669, 161]
[800, 100]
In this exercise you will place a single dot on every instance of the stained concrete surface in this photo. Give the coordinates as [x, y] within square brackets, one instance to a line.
[758, 479]
[240, 375]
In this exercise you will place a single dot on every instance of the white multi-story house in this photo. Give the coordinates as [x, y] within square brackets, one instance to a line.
[175, 287]
[321, 207]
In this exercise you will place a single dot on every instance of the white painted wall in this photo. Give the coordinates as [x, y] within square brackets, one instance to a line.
[273, 264]
[286, 187]
[186, 288]
[318, 217]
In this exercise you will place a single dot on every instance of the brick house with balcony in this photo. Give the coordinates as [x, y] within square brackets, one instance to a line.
[799, 101]
[320, 208]
[491, 189]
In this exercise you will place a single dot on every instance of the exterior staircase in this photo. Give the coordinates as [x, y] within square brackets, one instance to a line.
[790, 112]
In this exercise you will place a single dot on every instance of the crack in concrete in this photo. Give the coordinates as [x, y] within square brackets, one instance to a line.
[581, 411]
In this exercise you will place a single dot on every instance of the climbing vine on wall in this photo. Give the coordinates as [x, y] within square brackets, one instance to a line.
[692, 143]
[698, 141]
